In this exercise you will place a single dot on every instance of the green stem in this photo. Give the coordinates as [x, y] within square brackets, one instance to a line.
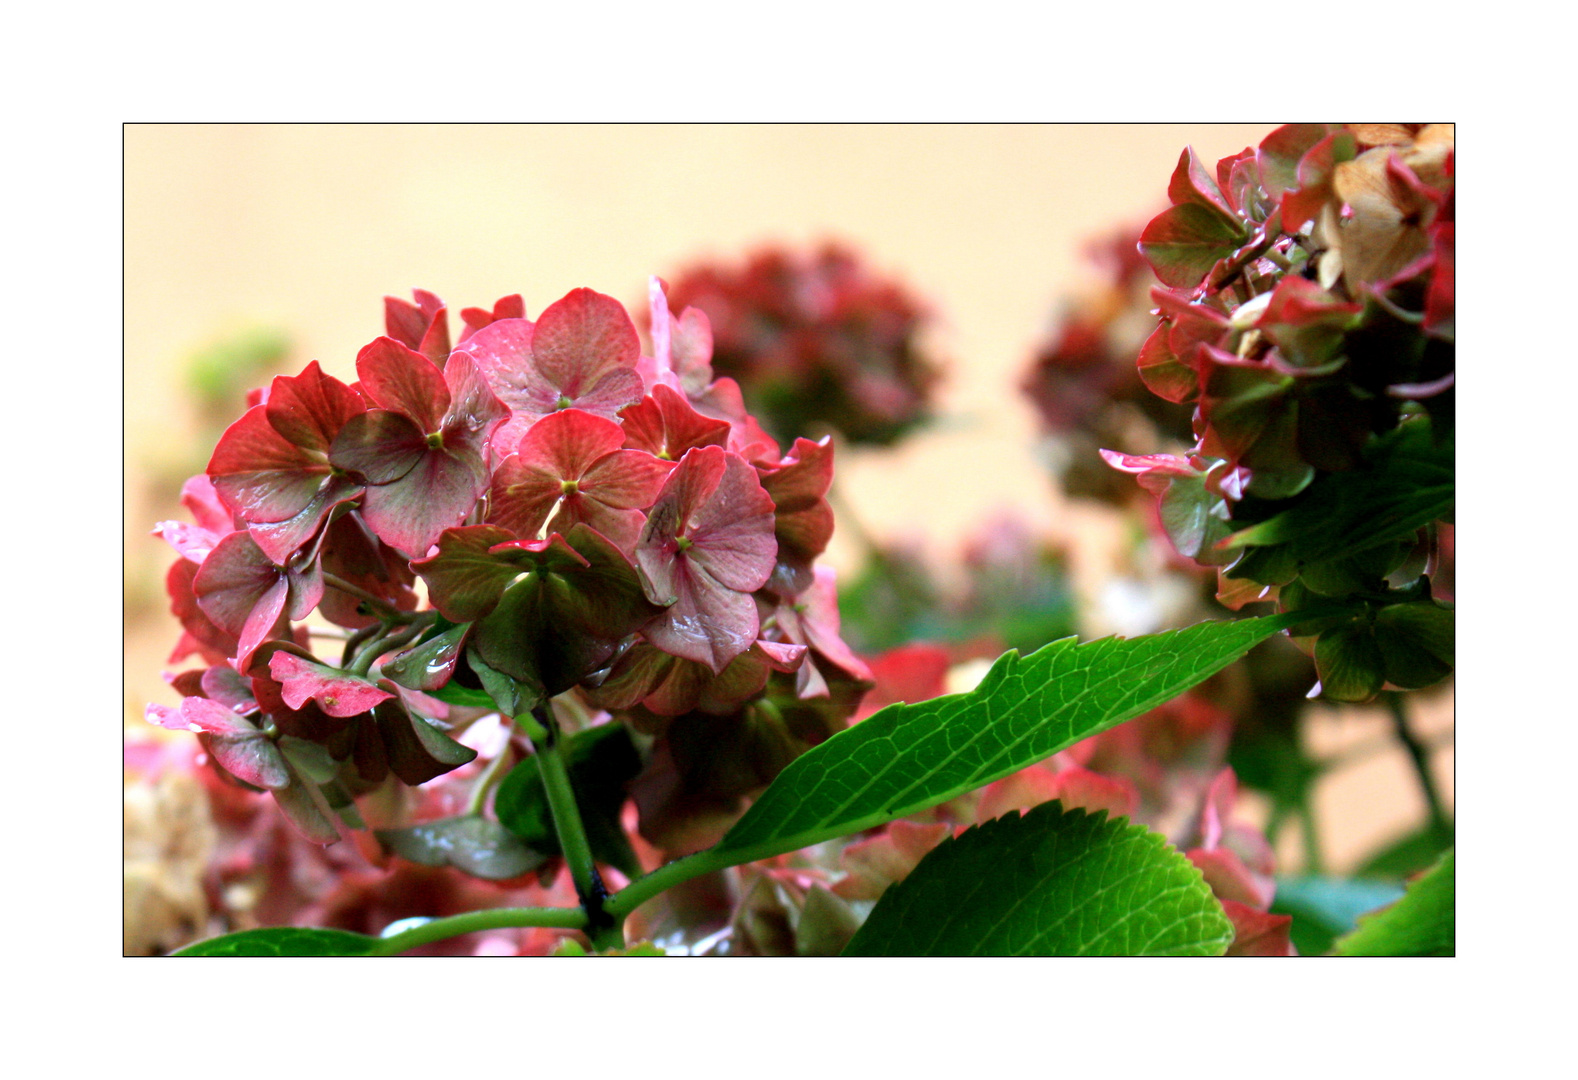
[543, 730]
[354, 643]
[1279, 818]
[1314, 864]
[665, 877]
[1421, 760]
[389, 638]
[380, 607]
[491, 919]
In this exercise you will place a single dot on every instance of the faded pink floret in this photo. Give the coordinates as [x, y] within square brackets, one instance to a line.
[708, 544]
[581, 353]
[422, 452]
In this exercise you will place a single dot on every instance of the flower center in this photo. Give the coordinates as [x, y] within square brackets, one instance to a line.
[569, 487]
[435, 441]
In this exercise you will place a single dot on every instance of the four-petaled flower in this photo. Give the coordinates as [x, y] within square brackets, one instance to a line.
[422, 451]
[708, 544]
[572, 467]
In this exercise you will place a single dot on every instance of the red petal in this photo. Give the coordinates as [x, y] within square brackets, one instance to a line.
[1256, 933]
[309, 409]
[628, 479]
[404, 381]
[522, 498]
[666, 425]
[259, 474]
[379, 446]
[565, 444]
[234, 580]
[337, 693]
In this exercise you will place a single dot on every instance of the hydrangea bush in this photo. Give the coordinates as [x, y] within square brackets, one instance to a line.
[535, 606]
[1306, 311]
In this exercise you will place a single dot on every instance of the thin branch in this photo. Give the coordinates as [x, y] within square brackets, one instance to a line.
[1420, 758]
[490, 919]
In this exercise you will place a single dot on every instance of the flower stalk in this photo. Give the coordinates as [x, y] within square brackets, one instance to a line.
[543, 730]
[471, 921]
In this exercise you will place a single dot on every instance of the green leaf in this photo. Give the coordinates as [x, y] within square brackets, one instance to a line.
[429, 664]
[1349, 663]
[1422, 923]
[1406, 483]
[909, 757]
[1417, 643]
[602, 760]
[471, 844]
[452, 693]
[502, 691]
[1050, 883]
[284, 941]
[1408, 854]
[417, 750]
[1323, 909]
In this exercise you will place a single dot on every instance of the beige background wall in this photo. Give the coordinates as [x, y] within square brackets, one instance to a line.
[307, 228]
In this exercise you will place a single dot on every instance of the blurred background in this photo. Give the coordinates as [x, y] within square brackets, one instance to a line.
[251, 250]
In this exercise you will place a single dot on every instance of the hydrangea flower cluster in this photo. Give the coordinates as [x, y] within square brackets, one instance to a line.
[817, 342]
[1306, 306]
[582, 518]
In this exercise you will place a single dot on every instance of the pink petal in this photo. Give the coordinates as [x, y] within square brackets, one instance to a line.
[611, 393]
[474, 410]
[708, 622]
[692, 350]
[200, 715]
[205, 506]
[192, 542]
[502, 352]
[580, 338]
[337, 693]
[410, 513]
[820, 619]
[733, 530]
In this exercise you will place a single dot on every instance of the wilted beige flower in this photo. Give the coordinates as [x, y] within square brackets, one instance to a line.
[1376, 221]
